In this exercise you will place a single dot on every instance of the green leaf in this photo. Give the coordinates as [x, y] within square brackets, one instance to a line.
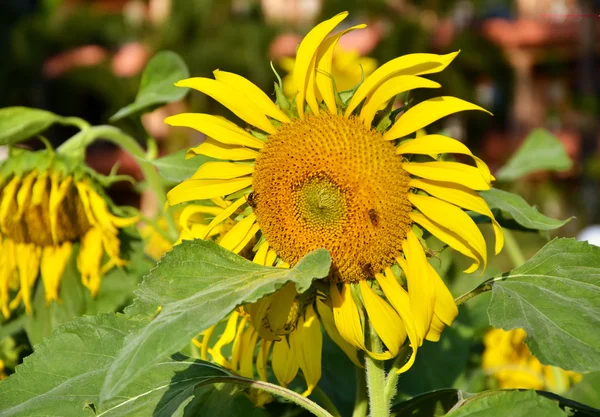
[555, 298]
[541, 151]
[587, 391]
[509, 206]
[194, 286]
[508, 403]
[176, 168]
[21, 123]
[65, 374]
[158, 84]
[431, 404]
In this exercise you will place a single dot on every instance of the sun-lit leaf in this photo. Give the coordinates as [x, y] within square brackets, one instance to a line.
[508, 403]
[21, 123]
[193, 287]
[157, 86]
[541, 151]
[555, 298]
[176, 168]
[508, 207]
[65, 374]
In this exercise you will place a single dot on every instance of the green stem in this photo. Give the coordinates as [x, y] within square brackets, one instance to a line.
[513, 248]
[285, 393]
[375, 371]
[326, 401]
[361, 403]
[392, 376]
[481, 288]
[129, 144]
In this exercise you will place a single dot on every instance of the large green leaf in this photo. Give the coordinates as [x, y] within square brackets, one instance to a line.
[158, 84]
[541, 151]
[508, 403]
[194, 286]
[431, 404]
[587, 391]
[20, 123]
[555, 298]
[176, 168]
[65, 374]
[509, 206]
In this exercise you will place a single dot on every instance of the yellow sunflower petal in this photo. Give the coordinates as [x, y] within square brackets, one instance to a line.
[255, 94]
[89, 259]
[285, 365]
[206, 334]
[263, 358]
[222, 170]
[390, 89]
[445, 307]
[457, 242]
[453, 219]
[347, 320]
[236, 348]
[309, 346]
[58, 192]
[462, 197]
[412, 64]
[7, 271]
[427, 112]
[24, 195]
[323, 75]
[437, 144]
[305, 60]
[280, 306]
[329, 324]
[224, 215]
[247, 348]
[260, 257]
[238, 103]
[40, 190]
[400, 300]
[435, 330]
[222, 151]
[219, 129]
[52, 266]
[191, 210]
[226, 338]
[238, 234]
[420, 284]
[8, 200]
[28, 264]
[456, 172]
[190, 190]
[385, 320]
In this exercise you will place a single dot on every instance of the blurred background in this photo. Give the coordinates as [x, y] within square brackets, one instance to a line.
[533, 63]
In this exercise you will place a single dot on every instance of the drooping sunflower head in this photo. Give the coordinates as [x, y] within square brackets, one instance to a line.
[49, 203]
[342, 171]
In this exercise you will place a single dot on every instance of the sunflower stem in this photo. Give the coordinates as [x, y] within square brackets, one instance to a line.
[361, 403]
[514, 250]
[375, 373]
[285, 393]
[393, 375]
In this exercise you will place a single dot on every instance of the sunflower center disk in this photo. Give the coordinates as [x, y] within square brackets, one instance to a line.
[329, 182]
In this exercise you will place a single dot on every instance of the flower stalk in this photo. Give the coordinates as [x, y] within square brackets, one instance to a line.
[375, 373]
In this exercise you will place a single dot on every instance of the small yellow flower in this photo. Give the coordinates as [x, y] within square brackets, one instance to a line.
[508, 359]
[348, 68]
[322, 171]
[43, 213]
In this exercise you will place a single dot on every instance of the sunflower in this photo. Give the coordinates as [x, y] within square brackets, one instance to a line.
[348, 68]
[324, 170]
[507, 358]
[47, 205]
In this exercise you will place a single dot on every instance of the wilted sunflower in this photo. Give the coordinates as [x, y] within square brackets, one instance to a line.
[314, 172]
[47, 204]
[507, 358]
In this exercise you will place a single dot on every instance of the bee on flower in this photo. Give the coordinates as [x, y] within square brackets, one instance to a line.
[318, 170]
[49, 205]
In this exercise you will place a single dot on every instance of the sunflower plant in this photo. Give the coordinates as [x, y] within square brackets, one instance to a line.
[309, 244]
